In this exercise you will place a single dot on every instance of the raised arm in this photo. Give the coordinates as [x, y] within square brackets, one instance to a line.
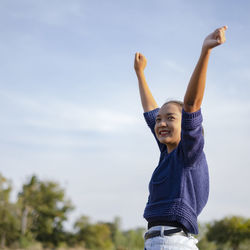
[147, 99]
[195, 90]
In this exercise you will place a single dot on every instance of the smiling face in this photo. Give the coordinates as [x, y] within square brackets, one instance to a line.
[168, 125]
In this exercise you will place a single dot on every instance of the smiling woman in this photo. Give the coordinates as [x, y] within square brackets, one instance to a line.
[168, 125]
[179, 187]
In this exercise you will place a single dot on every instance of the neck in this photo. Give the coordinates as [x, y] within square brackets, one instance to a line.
[171, 147]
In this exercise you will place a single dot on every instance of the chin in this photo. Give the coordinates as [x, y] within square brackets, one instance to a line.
[164, 142]
[168, 141]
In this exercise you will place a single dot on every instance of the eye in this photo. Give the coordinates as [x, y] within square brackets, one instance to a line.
[171, 118]
[157, 119]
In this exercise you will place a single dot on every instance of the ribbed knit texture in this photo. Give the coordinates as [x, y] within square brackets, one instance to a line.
[179, 187]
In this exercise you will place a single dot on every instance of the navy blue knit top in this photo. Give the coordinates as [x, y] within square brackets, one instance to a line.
[179, 187]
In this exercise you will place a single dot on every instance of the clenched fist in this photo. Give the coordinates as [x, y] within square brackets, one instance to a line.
[214, 39]
[140, 62]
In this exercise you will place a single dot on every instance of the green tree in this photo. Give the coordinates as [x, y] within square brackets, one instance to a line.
[28, 200]
[44, 209]
[202, 237]
[134, 239]
[232, 230]
[117, 236]
[8, 215]
[93, 236]
[126, 240]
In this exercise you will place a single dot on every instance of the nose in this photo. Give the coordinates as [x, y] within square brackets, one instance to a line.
[162, 123]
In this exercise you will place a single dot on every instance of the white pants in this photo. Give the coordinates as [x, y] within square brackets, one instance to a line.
[172, 242]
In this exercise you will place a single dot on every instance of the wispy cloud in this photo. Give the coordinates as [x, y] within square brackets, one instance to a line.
[64, 115]
[174, 66]
[70, 109]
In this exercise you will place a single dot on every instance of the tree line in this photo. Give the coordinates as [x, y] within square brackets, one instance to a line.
[41, 209]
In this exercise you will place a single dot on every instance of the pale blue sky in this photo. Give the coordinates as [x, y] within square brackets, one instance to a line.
[71, 109]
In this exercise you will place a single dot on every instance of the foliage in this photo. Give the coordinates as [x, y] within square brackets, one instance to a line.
[44, 209]
[108, 235]
[37, 219]
[8, 214]
[232, 230]
[134, 239]
[117, 235]
[93, 236]
[205, 244]
[202, 237]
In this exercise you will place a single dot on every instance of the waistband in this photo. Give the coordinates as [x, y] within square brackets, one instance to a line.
[175, 224]
[164, 231]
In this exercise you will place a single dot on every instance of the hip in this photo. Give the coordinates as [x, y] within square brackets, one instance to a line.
[175, 241]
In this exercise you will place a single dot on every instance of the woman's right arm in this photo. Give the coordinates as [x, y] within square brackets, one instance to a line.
[147, 99]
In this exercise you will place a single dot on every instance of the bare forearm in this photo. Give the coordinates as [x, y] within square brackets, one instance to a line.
[147, 99]
[195, 90]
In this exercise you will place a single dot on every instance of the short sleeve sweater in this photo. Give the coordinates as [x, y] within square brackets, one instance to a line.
[179, 186]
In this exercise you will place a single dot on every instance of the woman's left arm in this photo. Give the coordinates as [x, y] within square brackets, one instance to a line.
[195, 90]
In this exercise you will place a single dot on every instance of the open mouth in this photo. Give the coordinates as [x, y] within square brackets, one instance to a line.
[164, 132]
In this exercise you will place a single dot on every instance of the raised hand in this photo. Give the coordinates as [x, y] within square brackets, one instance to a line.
[140, 62]
[214, 39]
[147, 99]
[195, 90]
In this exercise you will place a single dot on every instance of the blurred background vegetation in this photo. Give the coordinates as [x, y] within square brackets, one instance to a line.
[36, 221]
